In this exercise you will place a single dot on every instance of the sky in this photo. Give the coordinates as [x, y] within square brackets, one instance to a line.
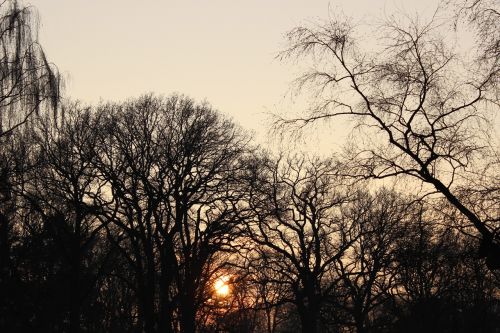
[220, 51]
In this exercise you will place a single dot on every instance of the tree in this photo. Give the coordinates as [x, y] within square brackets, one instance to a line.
[270, 292]
[58, 187]
[365, 270]
[172, 200]
[28, 84]
[423, 107]
[28, 80]
[437, 282]
[483, 17]
[51, 179]
[296, 230]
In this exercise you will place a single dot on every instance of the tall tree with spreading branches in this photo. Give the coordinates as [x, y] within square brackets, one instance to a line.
[423, 106]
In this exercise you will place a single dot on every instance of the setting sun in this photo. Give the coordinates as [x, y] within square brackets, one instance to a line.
[221, 287]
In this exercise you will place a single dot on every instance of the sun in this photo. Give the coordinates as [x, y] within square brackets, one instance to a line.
[221, 287]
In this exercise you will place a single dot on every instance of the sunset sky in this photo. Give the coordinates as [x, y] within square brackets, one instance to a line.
[222, 51]
[250, 166]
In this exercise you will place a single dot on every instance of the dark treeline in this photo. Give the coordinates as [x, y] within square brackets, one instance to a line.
[130, 216]
[122, 217]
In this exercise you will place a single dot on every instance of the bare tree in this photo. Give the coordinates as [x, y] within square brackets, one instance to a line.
[483, 17]
[56, 182]
[365, 270]
[423, 107]
[27, 80]
[271, 294]
[172, 198]
[435, 272]
[297, 231]
[28, 83]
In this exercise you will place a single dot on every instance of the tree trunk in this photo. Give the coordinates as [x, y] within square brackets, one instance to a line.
[308, 322]
[308, 318]
[4, 248]
[166, 306]
[74, 311]
[188, 309]
[146, 299]
[360, 324]
[188, 319]
[75, 287]
[147, 310]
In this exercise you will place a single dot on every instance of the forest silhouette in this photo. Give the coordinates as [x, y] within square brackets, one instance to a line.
[161, 214]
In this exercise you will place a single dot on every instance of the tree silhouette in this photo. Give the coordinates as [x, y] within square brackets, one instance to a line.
[365, 271]
[172, 199]
[28, 84]
[28, 81]
[125, 216]
[423, 110]
[297, 232]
